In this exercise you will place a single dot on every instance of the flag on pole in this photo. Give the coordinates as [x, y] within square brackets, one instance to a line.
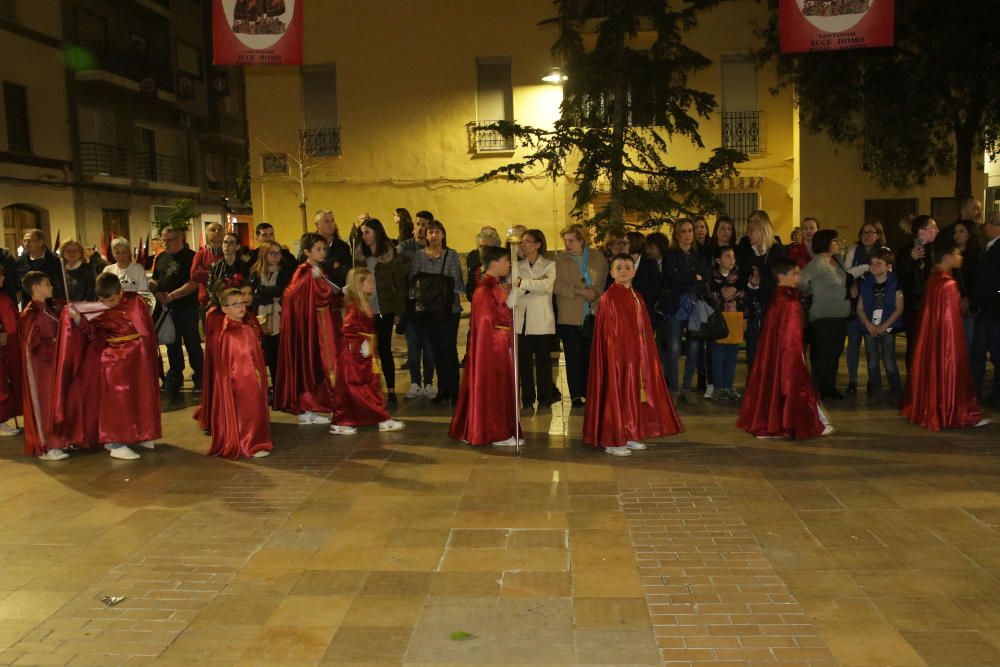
[145, 251]
[104, 246]
[107, 255]
[138, 252]
[55, 249]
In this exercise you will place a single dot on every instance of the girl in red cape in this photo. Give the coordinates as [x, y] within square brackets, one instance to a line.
[239, 417]
[360, 400]
[487, 406]
[780, 400]
[627, 397]
[940, 392]
[10, 363]
[307, 353]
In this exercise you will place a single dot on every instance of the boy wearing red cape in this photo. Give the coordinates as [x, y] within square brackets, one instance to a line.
[115, 368]
[239, 417]
[781, 400]
[487, 407]
[10, 363]
[940, 392]
[627, 397]
[310, 339]
[360, 400]
[38, 330]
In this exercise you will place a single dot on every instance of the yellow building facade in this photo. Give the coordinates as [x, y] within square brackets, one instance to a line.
[390, 89]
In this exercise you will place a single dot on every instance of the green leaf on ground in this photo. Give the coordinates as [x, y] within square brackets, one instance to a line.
[460, 636]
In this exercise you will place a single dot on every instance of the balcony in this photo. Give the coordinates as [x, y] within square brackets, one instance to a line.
[484, 138]
[159, 168]
[102, 62]
[320, 142]
[741, 131]
[103, 160]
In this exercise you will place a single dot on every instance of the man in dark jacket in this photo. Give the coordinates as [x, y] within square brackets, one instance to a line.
[986, 302]
[338, 253]
[37, 257]
[264, 233]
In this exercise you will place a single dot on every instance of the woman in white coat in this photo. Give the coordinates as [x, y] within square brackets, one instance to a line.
[534, 321]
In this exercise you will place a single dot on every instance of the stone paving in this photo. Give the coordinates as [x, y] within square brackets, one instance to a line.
[878, 546]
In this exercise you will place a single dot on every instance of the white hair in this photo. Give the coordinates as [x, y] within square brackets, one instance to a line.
[121, 241]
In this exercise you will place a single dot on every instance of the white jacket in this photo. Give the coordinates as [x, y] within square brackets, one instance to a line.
[534, 297]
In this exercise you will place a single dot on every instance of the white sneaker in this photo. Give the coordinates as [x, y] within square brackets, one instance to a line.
[123, 452]
[635, 445]
[147, 444]
[312, 418]
[770, 437]
[6, 430]
[337, 429]
[391, 425]
[430, 391]
[414, 391]
[261, 453]
[618, 451]
[54, 455]
[509, 442]
[709, 390]
[828, 430]
[982, 422]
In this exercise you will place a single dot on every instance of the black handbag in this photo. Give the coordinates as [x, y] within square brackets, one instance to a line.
[434, 292]
[714, 328]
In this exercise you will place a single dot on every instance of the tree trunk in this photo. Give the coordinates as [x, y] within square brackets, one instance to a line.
[965, 139]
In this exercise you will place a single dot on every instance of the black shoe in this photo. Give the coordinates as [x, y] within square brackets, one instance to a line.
[578, 402]
[527, 406]
[391, 399]
[852, 387]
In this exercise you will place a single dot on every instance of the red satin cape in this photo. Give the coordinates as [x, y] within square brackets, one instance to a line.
[38, 329]
[360, 401]
[239, 417]
[940, 392]
[10, 362]
[214, 318]
[309, 345]
[487, 405]
[627, 397]
[780, 399]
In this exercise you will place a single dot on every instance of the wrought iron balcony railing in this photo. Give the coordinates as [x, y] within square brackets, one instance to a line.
[741, 131]
[103, 160]
[484, 138]
[157, 168]
[320, 142]
[125, 62]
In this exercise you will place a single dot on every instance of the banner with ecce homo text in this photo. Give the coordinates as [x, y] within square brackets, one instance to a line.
[830, 25]
[257, 32]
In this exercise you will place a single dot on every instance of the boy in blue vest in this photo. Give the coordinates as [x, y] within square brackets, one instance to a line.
[880, 309]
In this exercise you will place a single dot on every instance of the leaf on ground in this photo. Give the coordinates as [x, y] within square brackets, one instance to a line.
[460, 636]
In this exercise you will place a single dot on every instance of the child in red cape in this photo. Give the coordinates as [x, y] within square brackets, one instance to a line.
[780, 400]
[627, 397]
[360, 400]
[310, 340]
[940, 392]
[239, 417]
[10, 363]
[487, 407]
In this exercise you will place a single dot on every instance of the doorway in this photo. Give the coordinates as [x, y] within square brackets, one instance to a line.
[115, 222]
[18, 219]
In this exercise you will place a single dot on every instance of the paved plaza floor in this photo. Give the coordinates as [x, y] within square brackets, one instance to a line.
[877, 546]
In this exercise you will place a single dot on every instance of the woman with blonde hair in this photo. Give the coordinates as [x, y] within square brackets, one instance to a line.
[359, 398]
[754, 253]
[269, 276]
[81, 281]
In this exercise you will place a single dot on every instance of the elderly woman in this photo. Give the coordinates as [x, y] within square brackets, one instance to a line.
[826, 279]
[132, 275]
[580, 278]
[80, 277]
[487, 236]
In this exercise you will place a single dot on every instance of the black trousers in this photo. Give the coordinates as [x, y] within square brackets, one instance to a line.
[186, 325]
[534, 364]
[443, 334]
[383, 333]
[269, 344]
[826, 345]
[577, 351]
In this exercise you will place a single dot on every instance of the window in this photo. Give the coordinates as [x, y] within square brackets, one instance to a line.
[189, 59]
[100, 152]
[741, 127]
[15, 106]
[214, 172]
[321, 136]
[739, 206]
[494, 102]
[91, 30]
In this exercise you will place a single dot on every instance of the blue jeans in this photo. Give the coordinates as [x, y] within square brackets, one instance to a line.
[723, 363]
[881, 350]
[418, 347]
[854, 336]
[675, 331]
[986, 342]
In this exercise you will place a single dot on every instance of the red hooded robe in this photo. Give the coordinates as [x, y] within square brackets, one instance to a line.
[487, 405]
[940, 392]
[781, 400]
[627, 397]
[360, 401]
[10, 362]
[214, 319]
[310, 341]
[38, 329]
[239, 417]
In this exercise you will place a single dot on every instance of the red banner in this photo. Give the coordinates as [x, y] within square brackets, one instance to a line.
[829, 25]
[257, 32]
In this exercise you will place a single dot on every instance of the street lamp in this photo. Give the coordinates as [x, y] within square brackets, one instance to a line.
[555, 76]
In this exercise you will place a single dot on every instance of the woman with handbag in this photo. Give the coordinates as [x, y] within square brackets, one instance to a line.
[269, 277]
[685, 276]
[436, 275]
[826, 279]
[581, 272]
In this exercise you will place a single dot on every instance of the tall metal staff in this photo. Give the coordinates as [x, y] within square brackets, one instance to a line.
[514, 243]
